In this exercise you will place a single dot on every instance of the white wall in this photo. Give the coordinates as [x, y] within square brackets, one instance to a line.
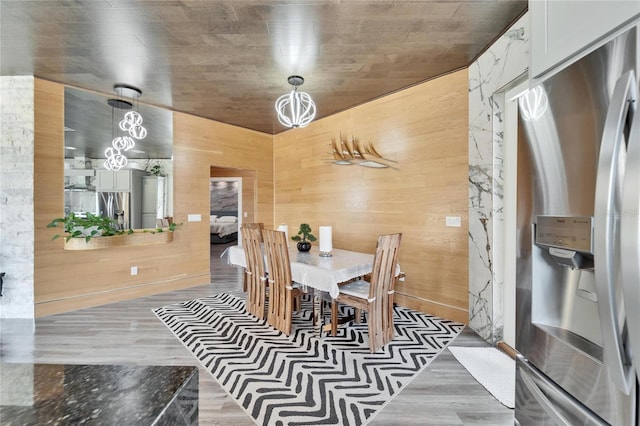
[489, 76]
[16, 196]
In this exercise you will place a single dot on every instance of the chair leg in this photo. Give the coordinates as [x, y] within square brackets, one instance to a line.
[314, 312]
[334, 318]
[376, 338]
[286, 324]
[389, 332]
[358, 315]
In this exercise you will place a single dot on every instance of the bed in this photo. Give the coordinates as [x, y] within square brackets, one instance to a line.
[223, 227]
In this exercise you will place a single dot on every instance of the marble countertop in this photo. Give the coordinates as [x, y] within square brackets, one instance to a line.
[56, 394]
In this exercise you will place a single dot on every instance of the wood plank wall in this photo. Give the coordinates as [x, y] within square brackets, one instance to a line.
[69, 280]
[204, 149]
[423, 128]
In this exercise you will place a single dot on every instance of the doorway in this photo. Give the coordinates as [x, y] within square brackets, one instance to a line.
[225, 209]
[247, 199]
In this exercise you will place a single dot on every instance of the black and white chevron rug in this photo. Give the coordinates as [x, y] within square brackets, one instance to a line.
[301, 379]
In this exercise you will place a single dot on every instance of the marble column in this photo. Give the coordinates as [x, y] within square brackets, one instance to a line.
[16, 196]
[489, 77]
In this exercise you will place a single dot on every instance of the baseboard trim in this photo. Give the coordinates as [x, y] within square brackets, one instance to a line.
[507, 349]
[433, 308]
[88, 300]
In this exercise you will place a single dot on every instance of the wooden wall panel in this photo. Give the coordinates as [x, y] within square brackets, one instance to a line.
[68, 280]
[200, 144]
[236, 152]
[424, 129]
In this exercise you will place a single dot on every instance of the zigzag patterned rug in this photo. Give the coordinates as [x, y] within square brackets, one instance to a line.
[300, 379]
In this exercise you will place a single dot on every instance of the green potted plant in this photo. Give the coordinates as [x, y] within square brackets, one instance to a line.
[88, 231]
[304, 237]
[87, 226]
[156, 170]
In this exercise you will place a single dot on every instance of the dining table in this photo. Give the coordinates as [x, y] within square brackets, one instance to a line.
[323, 274]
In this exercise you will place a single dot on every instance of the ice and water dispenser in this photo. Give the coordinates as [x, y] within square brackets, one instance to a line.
[564, 286]
[569, 240]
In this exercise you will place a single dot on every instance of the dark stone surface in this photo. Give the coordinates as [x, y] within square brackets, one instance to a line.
[58, 394]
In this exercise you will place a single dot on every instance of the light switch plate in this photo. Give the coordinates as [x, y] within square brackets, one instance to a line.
[134, 270]
[453, 221]
[194, 218]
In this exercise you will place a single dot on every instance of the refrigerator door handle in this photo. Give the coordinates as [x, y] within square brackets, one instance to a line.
[630, 238]
[605, 239]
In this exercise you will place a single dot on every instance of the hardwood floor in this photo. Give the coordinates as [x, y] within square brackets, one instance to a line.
[129, 333]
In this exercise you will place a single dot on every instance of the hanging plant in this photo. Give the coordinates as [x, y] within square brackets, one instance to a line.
[87, 226]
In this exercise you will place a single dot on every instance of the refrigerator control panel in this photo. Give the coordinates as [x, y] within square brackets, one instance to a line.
[566, 232]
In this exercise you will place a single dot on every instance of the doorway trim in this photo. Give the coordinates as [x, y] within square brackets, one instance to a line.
[510, 207]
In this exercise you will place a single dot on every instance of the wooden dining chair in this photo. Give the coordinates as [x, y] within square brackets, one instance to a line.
[282, 290]
[259, 226]
[256, 225]
[374, 296]
[255, 275]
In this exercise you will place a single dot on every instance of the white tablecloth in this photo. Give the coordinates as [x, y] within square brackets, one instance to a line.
[310, 269]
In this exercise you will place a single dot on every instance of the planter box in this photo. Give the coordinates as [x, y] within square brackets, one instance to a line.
[135, 239]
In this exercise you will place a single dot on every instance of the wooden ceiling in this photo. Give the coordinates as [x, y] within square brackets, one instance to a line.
[229, 60]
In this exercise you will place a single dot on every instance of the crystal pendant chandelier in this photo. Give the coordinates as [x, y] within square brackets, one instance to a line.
[131, 123]
[295, 109]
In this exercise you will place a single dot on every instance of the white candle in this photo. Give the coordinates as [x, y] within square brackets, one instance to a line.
[284, 228]
[326, 245]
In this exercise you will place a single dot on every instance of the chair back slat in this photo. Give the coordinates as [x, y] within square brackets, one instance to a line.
[383, 277]
[244, 226]
[280, 298]
[257, 225]
[255, 271]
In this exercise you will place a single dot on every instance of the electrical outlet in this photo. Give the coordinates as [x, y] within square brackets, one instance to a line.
[134, 270]
[194, 218]
[453, 221]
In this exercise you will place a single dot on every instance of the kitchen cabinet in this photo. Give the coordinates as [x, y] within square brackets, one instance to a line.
[113, 180]
[562, 28]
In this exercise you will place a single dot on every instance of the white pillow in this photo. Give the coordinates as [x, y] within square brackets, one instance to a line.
[227, 219]
[213, 219]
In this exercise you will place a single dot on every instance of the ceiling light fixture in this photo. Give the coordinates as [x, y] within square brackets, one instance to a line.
[132, 120]
[295, 109]
[131, 123]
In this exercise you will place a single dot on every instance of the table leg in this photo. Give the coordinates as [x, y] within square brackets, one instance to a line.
[317, 312]
[334, 317]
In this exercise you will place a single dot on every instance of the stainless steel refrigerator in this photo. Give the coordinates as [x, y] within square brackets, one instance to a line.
[117, 207]
[578, 243]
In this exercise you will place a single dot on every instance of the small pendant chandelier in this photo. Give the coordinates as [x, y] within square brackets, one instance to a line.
[131, 123]
[295, 109]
